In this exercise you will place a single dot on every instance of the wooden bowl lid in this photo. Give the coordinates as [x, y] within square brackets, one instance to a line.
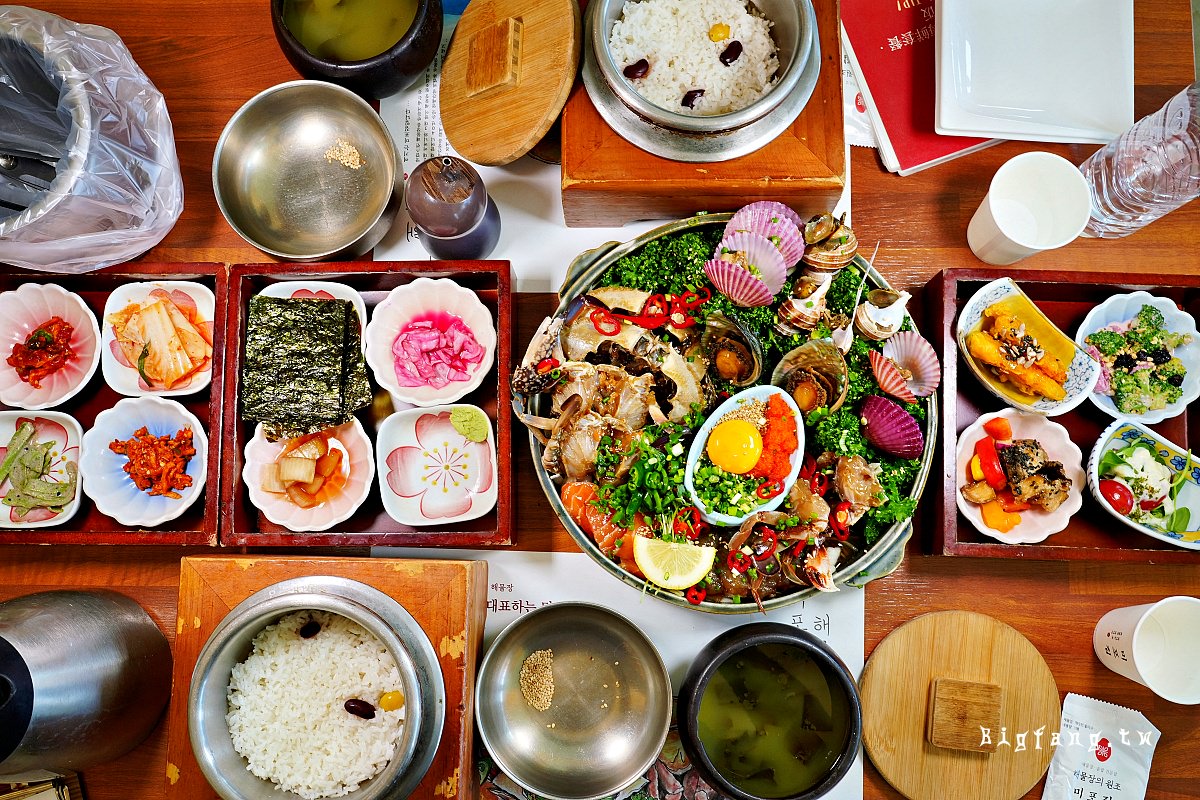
[942, 669]
[506, 77]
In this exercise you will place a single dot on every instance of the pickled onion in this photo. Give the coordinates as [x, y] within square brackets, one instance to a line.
[426, 354]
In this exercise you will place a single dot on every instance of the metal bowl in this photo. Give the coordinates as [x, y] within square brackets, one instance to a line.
[307, 170]
[609, 713]
[716, 137]
[230, 644]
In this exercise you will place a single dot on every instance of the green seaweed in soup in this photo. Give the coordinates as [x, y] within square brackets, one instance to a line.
[772, 721]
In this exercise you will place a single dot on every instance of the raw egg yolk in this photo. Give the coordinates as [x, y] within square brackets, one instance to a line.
[734, 446]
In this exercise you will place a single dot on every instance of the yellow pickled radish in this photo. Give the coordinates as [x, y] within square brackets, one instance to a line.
[718, 32]
[390, 701]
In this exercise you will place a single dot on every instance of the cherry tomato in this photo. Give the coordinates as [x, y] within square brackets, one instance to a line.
[1117, 495]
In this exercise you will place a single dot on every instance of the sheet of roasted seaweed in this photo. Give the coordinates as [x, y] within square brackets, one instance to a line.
[303, 369]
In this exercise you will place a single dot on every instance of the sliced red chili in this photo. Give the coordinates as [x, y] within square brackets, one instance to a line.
[819, 483]
[686, 523]
[604, 322]
[770, 540]
[839, 521]
[546, 365]
[696, 594]
[768, 489]
[738, 561]
[808, 468]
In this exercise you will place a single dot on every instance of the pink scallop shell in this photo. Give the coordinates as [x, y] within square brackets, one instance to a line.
[762, 253]
[890, 428]
[913, 352]
[778, 229]
[737, 284]
[776, 208]
[889, 377]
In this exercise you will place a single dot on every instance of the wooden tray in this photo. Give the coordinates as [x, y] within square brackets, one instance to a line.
[197, 525]
[241, 522]
[1092, 534]
[447, 598]
[606, 181]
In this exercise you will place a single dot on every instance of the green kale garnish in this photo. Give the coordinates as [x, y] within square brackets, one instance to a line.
[669, 264]
[843, 290]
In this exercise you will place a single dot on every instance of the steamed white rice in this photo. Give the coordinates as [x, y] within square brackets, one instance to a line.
[286, 714]
[673, 36]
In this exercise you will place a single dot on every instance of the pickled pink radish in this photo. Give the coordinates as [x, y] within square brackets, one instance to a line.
[435, 351]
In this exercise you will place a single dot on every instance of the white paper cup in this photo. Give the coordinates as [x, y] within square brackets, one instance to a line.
[1157, 645]
[1037, 201]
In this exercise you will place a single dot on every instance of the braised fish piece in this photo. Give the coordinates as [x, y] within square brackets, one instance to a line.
[1032, 476]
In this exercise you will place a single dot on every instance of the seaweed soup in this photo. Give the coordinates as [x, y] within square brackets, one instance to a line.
[773, 721]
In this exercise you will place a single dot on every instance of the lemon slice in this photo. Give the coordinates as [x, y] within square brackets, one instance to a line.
[672, 565]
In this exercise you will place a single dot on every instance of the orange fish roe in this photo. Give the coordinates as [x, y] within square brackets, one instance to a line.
[779, 441]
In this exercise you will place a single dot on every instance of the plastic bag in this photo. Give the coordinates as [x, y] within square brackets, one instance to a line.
[72, 95]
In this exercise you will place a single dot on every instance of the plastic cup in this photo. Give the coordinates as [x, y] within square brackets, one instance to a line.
[1157, 645]
[1036, 201]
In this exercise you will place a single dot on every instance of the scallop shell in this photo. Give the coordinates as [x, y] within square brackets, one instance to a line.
[825, 361]
[759, 251]
[890, 377]
[737, 284]
[774, 207]
[778, 229]
[912, 352]
[890, 428]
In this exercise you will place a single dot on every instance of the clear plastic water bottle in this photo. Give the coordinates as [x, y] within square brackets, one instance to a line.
[1149, 170]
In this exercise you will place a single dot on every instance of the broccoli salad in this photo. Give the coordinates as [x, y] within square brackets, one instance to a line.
[1139, 369]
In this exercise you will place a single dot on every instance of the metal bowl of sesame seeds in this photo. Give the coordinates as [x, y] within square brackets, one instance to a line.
[573, 701]
[307, 170]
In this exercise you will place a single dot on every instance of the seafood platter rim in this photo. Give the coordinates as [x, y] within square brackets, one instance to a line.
[879, 561]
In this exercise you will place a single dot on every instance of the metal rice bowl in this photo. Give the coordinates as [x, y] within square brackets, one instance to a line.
[879, 561]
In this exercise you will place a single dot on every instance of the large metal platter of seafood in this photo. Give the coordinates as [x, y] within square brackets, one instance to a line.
[733, 411]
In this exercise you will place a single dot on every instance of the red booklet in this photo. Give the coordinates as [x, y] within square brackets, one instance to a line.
[890, 44]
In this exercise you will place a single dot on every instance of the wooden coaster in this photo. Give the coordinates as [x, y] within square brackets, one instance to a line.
[943, 688]
[507, 75]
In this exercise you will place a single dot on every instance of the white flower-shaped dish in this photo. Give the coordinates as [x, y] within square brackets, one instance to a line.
[103, 471]
[1123, 433]
[434, 300]
[1036, 525]
[429, 473]
[21, 312]
[762, 393]
[1082, 370]
[67, 435]
[358, 469]
[1124, 307]
[194, 299]
[320, 290]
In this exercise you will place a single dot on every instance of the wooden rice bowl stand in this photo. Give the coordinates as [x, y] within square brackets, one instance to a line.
[209, 56]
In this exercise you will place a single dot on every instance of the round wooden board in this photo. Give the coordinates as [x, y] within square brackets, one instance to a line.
[896, 687]
[506, 77]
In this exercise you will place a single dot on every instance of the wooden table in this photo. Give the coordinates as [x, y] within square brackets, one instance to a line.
[209, 56]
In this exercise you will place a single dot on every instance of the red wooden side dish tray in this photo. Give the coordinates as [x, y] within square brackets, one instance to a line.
[243, 524]
[197, 525]
[1091, 535]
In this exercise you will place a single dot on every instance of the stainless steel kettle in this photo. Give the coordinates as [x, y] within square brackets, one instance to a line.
[84, 677]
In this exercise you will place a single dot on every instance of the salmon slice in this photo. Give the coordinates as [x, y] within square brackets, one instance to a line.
[576, 497]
